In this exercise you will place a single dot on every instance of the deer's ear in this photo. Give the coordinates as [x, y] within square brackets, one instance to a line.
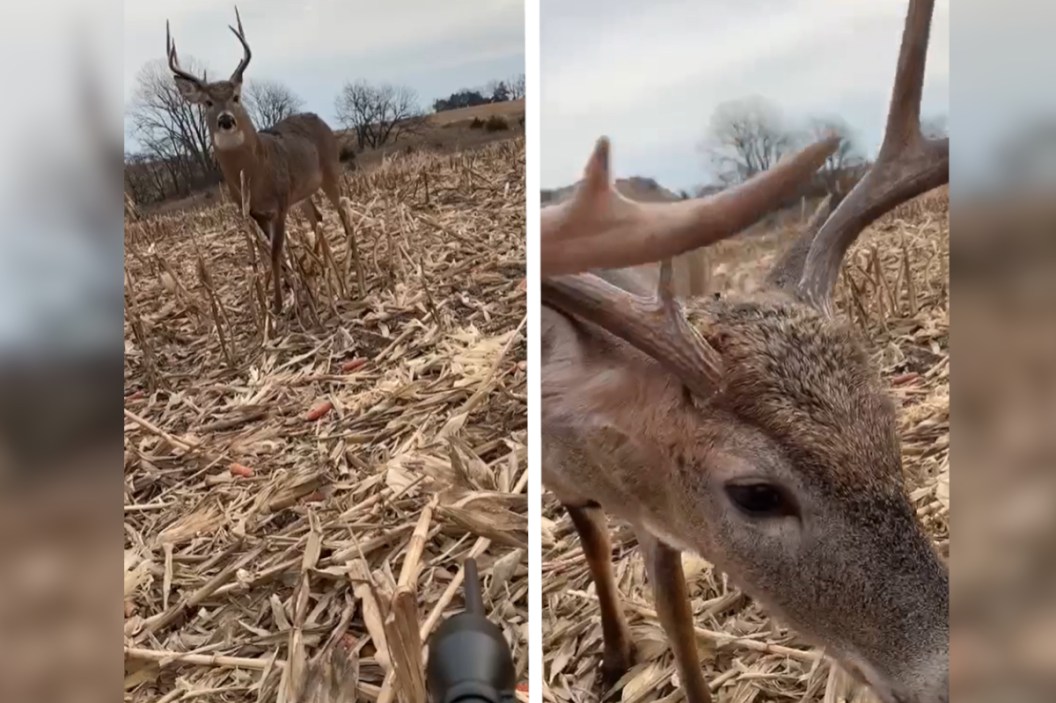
[586, 381]
[191, 91]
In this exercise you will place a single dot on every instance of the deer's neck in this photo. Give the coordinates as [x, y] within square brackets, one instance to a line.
[247, 158]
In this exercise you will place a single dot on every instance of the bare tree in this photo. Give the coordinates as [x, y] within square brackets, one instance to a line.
[842, 169]
[137, 178]
[269, 101]
[746, 137]
[516, 87]
[497, 91]
[934, 127]
[378, 113]
[171, 132]
[146, 179]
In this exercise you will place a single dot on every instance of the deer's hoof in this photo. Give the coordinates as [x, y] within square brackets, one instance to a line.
[616, 663]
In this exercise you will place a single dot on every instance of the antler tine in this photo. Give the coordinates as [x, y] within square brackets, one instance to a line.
[600, 228]
[908, 164]
[170, 48]
[655, 326]
[236, 77]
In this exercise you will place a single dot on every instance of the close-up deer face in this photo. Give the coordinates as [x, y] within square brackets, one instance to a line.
[225, 115]
[797, 493]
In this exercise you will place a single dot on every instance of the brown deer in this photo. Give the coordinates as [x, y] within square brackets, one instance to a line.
[283, 165]
[751, 430]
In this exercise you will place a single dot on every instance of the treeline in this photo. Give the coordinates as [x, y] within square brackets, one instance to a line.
[175, 158]
[493, 92]
[747, 136]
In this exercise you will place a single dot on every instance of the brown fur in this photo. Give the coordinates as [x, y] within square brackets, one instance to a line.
[284, 165]
[805, 381]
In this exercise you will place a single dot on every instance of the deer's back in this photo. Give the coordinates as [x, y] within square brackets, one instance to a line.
[302, 150]
[306, 126]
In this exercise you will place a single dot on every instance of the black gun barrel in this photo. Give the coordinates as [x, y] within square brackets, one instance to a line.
[473, 594]
[469, 659]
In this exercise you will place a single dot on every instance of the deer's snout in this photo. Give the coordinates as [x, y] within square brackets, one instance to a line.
[226, 121]
[927, 682]
[932, 684]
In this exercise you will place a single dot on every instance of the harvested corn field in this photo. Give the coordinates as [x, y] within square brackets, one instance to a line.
[894, 288]
[300, 493]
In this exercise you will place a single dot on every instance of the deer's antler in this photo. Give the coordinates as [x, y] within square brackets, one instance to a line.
[236, 77]
[600, 228]
[655, 326]
[174, 62]
[908, 164]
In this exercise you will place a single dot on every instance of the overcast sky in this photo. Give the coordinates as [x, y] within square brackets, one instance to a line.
[1001, 50]
[649, 75]
[315, 46]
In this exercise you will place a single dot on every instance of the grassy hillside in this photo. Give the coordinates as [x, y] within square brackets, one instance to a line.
[448, 132]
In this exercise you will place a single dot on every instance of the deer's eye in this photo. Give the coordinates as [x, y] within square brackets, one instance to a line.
[235, 98]
[760, 500]
[208, 103]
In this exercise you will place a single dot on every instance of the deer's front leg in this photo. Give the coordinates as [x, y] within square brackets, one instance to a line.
[594, 538]
[664, 566]
[278, 237]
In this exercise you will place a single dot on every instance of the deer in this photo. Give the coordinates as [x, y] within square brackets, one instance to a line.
[750, 429]
[282, 165]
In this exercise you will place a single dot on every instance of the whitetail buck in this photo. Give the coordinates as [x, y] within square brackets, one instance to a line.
[752, 430]
[284, 165]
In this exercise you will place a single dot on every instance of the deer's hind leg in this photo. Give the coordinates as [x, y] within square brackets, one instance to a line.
[322, 245]
[618, 656]
[332, 190]
[278, 238]
[314, 217]
[664, 566]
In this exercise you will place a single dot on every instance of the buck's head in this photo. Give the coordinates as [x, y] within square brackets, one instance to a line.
[774, 441]
[793, 483]
[228, 122]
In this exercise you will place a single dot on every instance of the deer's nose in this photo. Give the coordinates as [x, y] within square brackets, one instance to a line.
[226, 121]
